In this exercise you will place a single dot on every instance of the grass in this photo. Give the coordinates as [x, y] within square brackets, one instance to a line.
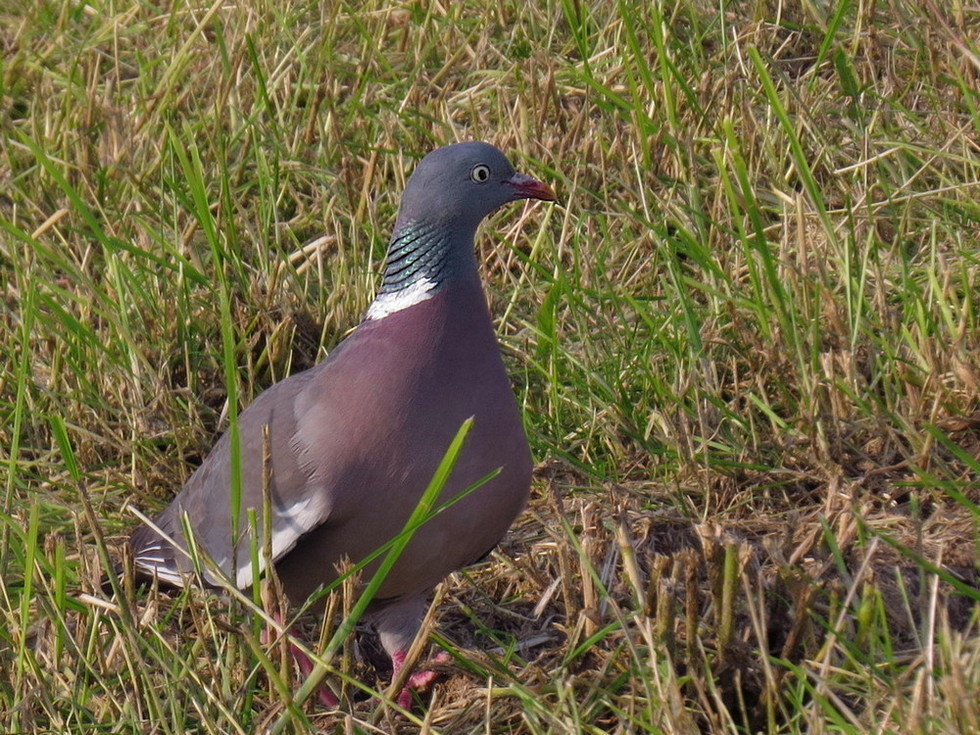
[746, 344]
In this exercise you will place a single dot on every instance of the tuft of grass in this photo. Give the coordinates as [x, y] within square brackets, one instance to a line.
[745, 344]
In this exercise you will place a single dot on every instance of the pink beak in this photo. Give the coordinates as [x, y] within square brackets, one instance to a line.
[528, 187]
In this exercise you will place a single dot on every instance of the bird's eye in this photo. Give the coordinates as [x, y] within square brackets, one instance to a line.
[480, 173]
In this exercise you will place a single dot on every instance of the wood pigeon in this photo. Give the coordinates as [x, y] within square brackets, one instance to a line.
[351, 444]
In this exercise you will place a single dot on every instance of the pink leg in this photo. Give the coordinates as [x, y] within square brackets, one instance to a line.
[304, 664]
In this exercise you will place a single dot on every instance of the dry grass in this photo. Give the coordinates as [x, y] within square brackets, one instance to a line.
[746, 343]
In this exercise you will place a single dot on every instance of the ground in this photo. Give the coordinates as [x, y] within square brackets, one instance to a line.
[745, 342]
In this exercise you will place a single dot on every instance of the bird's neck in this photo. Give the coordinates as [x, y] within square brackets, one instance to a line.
[422, 260]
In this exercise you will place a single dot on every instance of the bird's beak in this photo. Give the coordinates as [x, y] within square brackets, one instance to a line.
[528, 187]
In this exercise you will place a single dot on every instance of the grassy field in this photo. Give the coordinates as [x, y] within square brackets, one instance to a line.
[746, 342]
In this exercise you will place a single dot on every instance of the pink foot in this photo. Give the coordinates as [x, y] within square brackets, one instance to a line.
[418, 681]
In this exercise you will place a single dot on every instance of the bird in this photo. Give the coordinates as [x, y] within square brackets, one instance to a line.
[343, 451]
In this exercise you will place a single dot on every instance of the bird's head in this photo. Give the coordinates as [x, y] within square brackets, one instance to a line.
[461, 184]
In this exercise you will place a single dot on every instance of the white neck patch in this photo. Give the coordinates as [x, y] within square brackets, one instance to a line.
[386, 304]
